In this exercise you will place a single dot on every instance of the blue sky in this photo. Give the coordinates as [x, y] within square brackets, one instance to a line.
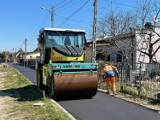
[20, 19]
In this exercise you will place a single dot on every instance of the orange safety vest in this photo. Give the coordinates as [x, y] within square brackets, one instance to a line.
[109, 70]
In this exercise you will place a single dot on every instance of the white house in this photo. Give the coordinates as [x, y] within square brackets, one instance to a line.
[27, 58]
[130, 45]
[31, 55]
[143, 38]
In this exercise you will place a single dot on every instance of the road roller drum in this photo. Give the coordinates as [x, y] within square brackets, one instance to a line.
[75, 85]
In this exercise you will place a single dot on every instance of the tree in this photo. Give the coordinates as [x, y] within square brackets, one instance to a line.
[153, 43]
[116, 22]
[143, 10]
[3, 55]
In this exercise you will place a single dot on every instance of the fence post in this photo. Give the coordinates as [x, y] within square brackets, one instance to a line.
[121, 89]
[140, 79]
[129, 73]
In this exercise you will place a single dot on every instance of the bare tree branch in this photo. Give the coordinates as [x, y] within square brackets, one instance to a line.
[156, 41]
[156, 50]
[116, 22]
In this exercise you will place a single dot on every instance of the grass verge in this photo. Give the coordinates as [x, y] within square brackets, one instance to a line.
[23, 96]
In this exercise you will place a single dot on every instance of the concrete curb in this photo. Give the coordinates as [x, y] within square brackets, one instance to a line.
[65, 111]
[141, 105]
[53, 101]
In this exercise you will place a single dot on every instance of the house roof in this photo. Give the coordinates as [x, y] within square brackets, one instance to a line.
[20, 51]
[107, 40]
[36, 50]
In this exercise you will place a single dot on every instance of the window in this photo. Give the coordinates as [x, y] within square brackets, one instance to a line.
[62, 38]
[119, 58]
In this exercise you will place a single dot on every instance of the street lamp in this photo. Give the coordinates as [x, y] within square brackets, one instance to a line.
[51, 13]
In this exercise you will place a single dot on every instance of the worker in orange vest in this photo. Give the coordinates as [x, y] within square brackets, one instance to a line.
[109, 72]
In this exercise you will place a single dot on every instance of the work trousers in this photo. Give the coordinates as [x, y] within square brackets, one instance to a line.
[111, 80]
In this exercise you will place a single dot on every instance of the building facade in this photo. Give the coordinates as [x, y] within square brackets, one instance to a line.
[28, 58]
[130, 47]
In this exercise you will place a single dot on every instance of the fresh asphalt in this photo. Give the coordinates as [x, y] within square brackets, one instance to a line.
[100, 107]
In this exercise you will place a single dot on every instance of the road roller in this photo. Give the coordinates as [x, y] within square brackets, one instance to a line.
[65, 68]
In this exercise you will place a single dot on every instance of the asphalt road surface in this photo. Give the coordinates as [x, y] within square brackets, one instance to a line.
[100, 107]
[27, 72]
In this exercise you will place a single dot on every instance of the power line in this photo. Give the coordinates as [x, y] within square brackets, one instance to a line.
[65, 3]
[20, 45]
[59, 3]
[120, 4]
[34, 32]
[63, 22]
[148, 17]
[71, 3]
[77, 21]
[58, 6]
[31, 43]
[62, 2]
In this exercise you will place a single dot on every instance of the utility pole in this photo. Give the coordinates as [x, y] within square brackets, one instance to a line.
[25, 42]
[52, 16]
[51, 12]
[94, 31]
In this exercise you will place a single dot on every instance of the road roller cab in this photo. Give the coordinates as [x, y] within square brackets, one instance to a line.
[62, 70]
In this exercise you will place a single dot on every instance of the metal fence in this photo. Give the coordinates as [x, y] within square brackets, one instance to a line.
[142, 80]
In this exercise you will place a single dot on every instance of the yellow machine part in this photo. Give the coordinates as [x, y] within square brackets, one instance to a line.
[55, 56]
[75, 85]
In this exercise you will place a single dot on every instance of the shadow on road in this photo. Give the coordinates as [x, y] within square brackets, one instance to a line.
[26, 93]
[71, 98]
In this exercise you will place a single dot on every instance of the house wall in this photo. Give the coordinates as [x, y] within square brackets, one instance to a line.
[130, 51]
[19, 58]
[88, 54]
[140, 38]
[32, 55]
[125, 46]
[30, 59]
[158, 44]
